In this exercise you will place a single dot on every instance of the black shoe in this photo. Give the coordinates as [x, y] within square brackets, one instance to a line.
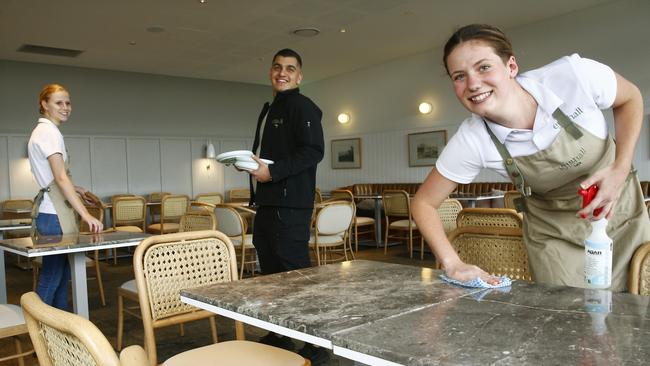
[317, 355]
[274, 340]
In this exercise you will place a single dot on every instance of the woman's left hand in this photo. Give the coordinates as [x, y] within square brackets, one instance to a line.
[610, 181]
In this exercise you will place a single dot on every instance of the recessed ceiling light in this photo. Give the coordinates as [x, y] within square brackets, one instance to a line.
[343, 30]
[203, 2]
[132, 43]
[306, 32]
[155, 29]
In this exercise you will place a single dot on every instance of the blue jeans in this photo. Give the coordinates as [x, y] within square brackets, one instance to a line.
[55, 273]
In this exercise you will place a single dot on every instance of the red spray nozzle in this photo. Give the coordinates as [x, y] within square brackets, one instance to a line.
[588, 195]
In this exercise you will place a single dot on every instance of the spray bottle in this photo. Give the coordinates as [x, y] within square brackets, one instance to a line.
[598, 247]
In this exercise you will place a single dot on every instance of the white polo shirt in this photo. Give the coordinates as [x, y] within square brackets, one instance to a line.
[580, 87]
[46, 140]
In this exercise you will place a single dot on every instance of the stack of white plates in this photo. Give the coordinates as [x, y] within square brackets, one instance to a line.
[242, 159]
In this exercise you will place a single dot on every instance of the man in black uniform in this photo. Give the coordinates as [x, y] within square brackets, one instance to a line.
[291, 136]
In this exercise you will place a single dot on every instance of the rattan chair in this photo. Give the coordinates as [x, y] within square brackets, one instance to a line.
[12, 325]
[197, 221]
[159, 281]
[509, 198]
[448, 213]
[129, 213]
[63, 338]
[201, 206]
[318, 197]
[212, 198]
[329, 239]
[639, 272]
[362, 225]
[397, 207]
[489, 217]
[172, 207]
[239, 195]
[497, 250]
[156, 197]
[232, 223]
[95, 209]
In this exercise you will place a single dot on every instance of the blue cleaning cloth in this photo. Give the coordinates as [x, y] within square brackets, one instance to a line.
[477, 282]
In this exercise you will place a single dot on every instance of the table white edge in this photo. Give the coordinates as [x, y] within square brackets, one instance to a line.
[259, 323]
[73, 250]
[362, 357]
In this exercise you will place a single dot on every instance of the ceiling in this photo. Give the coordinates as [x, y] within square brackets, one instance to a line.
[234, 40]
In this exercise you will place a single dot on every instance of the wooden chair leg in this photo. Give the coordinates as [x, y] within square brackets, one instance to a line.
[181, 330]
[239, 331]
[356, 238]
[120, 321]
[421, 247]
[213, 328]
[386, 239]
[35, 272]
[100, 283]
[19, 350]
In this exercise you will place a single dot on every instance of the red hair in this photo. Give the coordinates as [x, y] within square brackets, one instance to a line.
[48, 90]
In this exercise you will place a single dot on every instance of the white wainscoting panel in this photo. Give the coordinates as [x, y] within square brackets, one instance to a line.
[109, 166]
[233, 178]
[5, 187]
[207, 174]
[23, 184]
[144, 165]
[176, 165]
[79, 156]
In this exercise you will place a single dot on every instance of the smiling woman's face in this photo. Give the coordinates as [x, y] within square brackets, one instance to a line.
[482, 81]
[58, 107]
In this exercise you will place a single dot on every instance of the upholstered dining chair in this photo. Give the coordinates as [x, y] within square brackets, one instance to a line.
[12, 325]
[159, 281]
[489, 217]
[232, 223]
[172, 207]
[62, 338]
[397, 209]
[329, 239]
[212, 198]
[639, 272]
[499, 251]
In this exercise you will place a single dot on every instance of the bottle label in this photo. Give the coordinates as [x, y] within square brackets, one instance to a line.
[598, 264]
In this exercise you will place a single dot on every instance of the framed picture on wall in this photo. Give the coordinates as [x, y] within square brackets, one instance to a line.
[346, 154]
[425, 147]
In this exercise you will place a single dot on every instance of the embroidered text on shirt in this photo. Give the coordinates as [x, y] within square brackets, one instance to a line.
[576, 113]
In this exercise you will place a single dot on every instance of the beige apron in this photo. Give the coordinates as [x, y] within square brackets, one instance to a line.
[67, 216]
[553, 235]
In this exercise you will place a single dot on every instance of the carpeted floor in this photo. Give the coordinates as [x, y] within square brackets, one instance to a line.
[169, 340]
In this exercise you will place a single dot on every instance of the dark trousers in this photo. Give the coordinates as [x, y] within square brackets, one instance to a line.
[281, 237]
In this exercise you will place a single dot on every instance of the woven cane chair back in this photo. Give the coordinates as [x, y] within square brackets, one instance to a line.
[396, 203]
[448, 213]
[63, 338]
[173, 206]
[129, 210]
[95, 209]
[212, 198]
[8, 205]
[498, 251]
[197, 221]
[490, 217]
[639, 276]
[157, 196]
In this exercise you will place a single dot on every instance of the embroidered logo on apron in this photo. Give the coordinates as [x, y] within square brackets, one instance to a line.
[574, 161]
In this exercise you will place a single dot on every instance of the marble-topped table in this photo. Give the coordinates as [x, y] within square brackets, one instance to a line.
[388, 314]
[13, 224]
[75, 246]
[471, 199]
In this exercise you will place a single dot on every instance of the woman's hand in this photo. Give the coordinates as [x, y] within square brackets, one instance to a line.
[463, 272]
[610, 181]
[94, 225]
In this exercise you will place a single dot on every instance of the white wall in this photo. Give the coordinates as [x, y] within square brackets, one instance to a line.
[382, 100]
[108, 165]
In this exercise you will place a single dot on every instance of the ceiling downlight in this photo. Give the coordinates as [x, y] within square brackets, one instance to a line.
[306, 32]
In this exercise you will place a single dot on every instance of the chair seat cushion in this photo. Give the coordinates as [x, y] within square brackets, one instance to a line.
[168, 227]
[326, 239]
[131, 229]
[11, 315]
[402, 224]
[237, 353]
[362, 221]
[130, 286]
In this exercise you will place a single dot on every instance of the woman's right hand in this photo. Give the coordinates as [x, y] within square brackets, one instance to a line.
[463, 272]
[94, 225]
